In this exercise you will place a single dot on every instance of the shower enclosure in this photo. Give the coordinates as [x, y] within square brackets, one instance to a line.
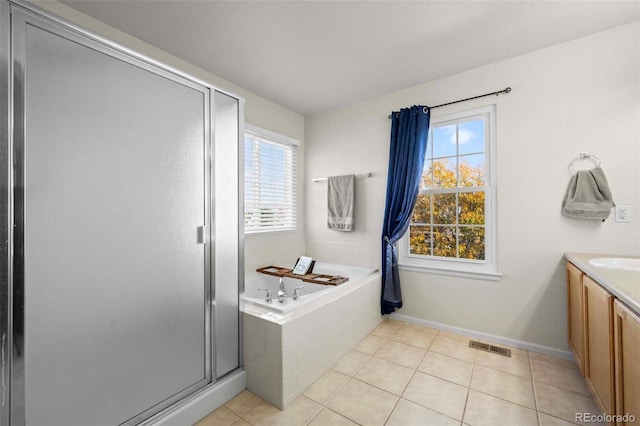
[120, 231]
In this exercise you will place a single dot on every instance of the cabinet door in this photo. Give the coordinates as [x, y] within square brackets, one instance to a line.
[598, 305]
[575, 313]
[627, 353]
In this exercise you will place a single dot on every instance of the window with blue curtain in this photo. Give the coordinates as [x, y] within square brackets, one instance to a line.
[407, 150]
[453, 227]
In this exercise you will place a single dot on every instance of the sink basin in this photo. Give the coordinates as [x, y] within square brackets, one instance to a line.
[628, 264]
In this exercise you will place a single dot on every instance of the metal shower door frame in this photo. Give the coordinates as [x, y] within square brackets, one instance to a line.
[6, 209]
[11, 218]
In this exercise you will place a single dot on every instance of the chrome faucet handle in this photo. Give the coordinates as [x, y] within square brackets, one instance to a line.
[296, 293]
[267, 297]
[282, 292]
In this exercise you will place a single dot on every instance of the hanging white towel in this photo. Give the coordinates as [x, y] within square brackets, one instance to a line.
[588, 196]
[341, 193]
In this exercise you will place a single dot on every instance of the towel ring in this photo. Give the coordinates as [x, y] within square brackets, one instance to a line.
[584, 156]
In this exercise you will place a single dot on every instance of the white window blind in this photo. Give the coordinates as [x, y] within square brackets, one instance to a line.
[269, 181]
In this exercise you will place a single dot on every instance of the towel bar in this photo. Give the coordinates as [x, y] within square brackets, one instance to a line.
[368, 175]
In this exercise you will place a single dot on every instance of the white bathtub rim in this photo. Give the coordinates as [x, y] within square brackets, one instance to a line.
[332, 295]
[290, 304]
[256, 280]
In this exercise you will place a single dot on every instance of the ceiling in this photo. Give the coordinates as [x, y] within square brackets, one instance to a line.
[311, 56]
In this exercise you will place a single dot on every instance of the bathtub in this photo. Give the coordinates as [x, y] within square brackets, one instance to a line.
[288, 346]
[309, 294]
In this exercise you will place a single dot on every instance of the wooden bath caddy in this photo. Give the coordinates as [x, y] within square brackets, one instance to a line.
[324, 279]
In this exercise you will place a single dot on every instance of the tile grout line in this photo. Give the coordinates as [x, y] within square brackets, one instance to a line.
[322, 407]
[415, 370]
[410, 378]
[464, 409]
[418, 371]
[501, 398]
[387, 339]
[466, 401]
[248, 410]
[535, 396]
[353, 376]
[386, 420]
[334, 394]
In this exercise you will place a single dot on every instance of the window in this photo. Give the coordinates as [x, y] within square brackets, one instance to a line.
[269, 181]
[452, 228]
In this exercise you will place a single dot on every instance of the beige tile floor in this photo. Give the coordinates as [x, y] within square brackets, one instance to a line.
[404, 374]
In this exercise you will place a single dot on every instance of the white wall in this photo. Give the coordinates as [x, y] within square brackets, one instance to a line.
[575, 97]
[260, 250]
[579, 96]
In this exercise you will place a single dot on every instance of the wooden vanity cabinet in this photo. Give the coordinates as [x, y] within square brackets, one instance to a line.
[604, 335]
[598, 335]
[627, 361]
[575, 311]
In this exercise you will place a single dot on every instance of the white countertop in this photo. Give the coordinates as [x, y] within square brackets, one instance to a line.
[623, 284]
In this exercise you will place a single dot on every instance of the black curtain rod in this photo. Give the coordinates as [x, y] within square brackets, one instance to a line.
[507, 90]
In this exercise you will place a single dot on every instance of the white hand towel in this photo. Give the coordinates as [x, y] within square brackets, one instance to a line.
[341, 193]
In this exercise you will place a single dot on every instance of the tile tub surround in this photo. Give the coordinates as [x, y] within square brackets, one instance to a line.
[284, 353]
[451, 384]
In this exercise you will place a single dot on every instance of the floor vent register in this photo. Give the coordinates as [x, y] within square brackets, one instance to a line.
[490, 348]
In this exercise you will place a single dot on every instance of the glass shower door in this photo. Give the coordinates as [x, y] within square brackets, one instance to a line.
[110, 203]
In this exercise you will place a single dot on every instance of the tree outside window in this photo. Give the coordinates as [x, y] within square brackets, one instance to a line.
[449, 216]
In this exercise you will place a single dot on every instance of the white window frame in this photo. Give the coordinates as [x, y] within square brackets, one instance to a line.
[289, 143]
[486, 269]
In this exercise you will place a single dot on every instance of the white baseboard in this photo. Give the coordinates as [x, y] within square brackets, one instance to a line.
[534, 347]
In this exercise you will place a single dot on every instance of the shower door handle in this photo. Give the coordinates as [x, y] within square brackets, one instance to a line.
[201, 234]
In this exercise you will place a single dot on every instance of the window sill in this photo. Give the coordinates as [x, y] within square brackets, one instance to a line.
[485, 276]
[269, 231]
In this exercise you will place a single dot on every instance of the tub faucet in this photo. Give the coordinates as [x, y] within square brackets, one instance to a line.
[296, 293]
[267, 297]
[282, 292]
